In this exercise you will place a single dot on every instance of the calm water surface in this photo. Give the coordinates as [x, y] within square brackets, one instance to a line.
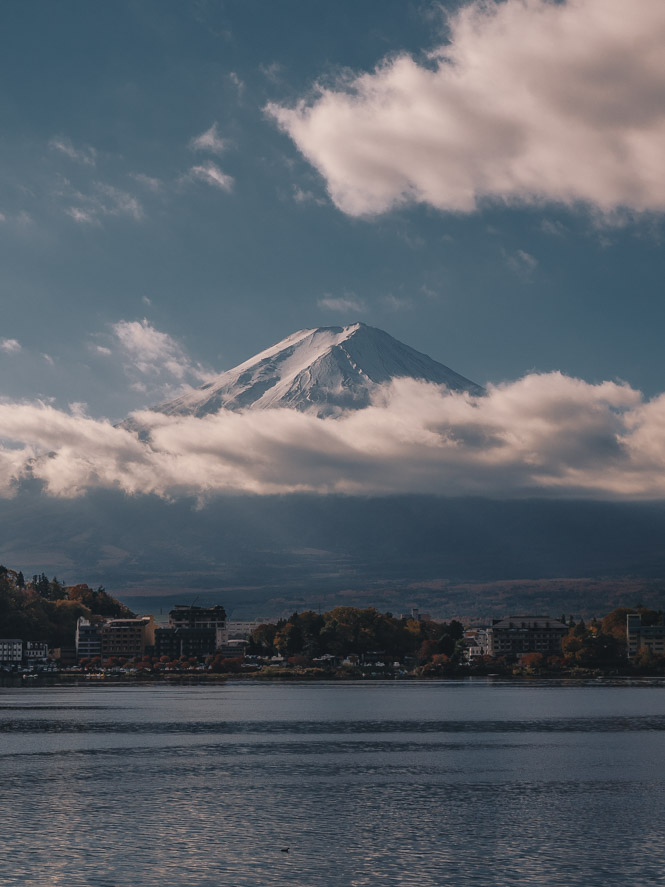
[428, 784]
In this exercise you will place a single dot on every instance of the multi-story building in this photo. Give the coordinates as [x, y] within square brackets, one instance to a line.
[34, 651]
[127, 637]
[11, 651]
[88, 639]
[643, 637]
[240, 630]
[184, 616]
[515, 635]
[176, 642]
[64, 655]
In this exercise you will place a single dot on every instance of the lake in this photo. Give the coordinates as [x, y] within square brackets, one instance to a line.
[374, 783]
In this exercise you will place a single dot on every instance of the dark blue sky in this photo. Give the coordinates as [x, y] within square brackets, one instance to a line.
[111, 214]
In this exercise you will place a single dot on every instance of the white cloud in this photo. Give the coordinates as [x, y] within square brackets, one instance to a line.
[49, 360]
[541, 435]
[209, 141]
[85, 155]
[344, 304]
[150, 352]
[531, 101]
[10, 346]
[212, 175]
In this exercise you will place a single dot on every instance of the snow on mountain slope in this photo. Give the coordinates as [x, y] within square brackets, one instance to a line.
[325, 370]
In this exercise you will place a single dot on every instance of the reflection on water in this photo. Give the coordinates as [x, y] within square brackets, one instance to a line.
[426, 784]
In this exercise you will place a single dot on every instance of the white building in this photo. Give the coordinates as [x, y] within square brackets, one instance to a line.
[475, 640]
[238, 630]
[11, 650]
[35, 652]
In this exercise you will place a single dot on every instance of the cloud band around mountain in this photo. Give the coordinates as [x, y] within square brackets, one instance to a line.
[531, 101]
[545, 434]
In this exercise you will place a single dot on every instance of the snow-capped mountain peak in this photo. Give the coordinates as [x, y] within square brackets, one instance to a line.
[326, 370]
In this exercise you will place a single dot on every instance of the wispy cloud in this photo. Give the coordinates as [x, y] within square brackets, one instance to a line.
[304, 195]
[529, 101]
[10, 346]
[212, 175]
[395, 303]
[238, 83]
[209, 141]
[102, 200]
[553, 227]
[149, 182]
[116, 202]
[343, 304]
[521, 262]
[154, 361]
[85, 155]
[272, 72]
[82, 216]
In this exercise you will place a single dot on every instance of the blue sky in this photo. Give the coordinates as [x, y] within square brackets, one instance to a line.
[111, 212]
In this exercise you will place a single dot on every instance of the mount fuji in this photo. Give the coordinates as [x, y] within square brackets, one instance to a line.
[325, 371]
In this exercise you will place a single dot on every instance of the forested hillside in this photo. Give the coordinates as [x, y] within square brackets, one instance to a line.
[43, 609]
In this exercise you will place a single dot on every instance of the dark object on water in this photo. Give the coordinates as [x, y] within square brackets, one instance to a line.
[284, 850]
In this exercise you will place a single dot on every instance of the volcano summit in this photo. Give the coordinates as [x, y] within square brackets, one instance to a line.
[325, 370]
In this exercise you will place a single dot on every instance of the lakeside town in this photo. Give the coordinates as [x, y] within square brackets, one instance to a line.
[78, 631]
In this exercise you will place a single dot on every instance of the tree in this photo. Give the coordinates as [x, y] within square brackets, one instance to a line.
[262, 640]
[427, 651]
[532, 660]
[289, 639]
[41, 585]
[615, 622]
[647, 660]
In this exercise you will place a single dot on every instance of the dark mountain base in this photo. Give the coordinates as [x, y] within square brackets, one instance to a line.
[264, 556]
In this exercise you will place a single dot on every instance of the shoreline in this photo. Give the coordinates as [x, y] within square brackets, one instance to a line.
[78, 681]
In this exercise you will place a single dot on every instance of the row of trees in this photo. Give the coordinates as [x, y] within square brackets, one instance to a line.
[603, 643]
[600, 645]
[346, 630]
